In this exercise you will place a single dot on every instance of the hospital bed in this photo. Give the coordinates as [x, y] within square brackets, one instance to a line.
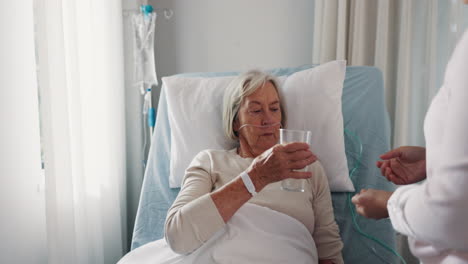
[367, 135]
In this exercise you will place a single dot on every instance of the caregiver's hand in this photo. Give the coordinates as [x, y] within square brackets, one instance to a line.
[372, 203]
[280, 162]
[404, 165]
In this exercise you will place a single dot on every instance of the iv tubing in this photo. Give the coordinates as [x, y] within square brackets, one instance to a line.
[351, 208]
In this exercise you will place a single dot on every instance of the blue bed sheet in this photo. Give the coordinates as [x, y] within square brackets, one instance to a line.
[366, 124]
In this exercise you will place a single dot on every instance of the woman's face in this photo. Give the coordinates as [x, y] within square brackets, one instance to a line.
[262, 108]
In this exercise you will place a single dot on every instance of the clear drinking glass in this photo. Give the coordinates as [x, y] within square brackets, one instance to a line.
[289, 136]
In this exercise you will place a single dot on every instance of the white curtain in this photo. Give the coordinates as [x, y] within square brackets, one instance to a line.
[80, 60]
[410, 41]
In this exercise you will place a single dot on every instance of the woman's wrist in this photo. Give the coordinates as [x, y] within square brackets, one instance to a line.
[248, 183]
[257, 180]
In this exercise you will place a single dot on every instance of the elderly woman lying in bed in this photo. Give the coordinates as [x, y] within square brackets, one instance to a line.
[216, 209]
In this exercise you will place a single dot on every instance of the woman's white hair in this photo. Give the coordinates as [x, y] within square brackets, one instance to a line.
[241, 87]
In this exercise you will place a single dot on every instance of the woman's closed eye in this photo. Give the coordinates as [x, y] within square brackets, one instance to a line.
[255, 111]
[260, 111]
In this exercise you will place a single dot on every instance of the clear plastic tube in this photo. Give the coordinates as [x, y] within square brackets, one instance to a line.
[278, 124]
[353, 212]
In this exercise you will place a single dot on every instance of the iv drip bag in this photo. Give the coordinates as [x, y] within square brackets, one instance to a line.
[145, 67]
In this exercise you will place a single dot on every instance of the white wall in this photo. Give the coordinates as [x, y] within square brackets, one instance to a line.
[22, 200]
[213, 35]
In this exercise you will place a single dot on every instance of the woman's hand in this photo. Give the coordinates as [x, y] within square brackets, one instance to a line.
[404, 165]
[372, 203]
[280, 162]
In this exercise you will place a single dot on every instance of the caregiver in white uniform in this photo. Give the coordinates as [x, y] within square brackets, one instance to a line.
[433, 214]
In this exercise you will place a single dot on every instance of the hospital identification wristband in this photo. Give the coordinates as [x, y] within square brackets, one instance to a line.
[248, 183]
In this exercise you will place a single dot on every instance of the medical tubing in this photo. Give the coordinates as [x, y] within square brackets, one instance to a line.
[145, 142]
[351, 208]
[151, 117]
[261, 126]
[146, 111]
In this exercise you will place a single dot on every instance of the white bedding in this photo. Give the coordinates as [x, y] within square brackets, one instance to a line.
[255, 234]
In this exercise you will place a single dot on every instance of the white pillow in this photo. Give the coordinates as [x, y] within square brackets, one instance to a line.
[312, 101]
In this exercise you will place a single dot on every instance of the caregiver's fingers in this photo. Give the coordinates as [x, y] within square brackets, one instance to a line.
[359, 198]
[394, 153]
[397, 180]
[379, 164]
[388, 172]
[360, 210]
[383, 167]
[356, 199]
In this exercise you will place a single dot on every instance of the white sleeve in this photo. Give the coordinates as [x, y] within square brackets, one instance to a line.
[326, 232]
[193, 217]
[437, 210]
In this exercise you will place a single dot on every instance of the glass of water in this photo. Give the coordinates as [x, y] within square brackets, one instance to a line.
[289, 136]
